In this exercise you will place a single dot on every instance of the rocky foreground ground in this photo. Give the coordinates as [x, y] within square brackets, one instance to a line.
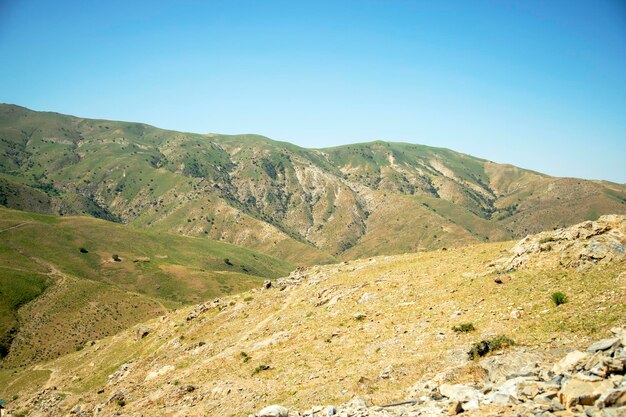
[583, 383]
[376, 337]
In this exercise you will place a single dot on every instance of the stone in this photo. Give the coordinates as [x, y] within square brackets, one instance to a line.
[614, 412]
[612, 398]
[575, 392]
[619, 332]
[509, 365]
[267, 284]
[569, 362]
[386, 373]
[500, 398]
[455, 408]
[604, 344]
[470, 405]
[141, 332]
[459, 392]
[273, 411]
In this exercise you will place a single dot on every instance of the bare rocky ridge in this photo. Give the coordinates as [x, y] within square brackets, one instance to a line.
[580, 246]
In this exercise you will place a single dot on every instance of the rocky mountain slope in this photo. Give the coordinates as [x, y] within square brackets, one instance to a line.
[67, 280]
[377, 329]
[304, 206]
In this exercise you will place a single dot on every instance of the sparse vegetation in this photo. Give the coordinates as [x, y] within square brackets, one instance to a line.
[464, 328]
[485, 346]
[558, 298]
[260, 368]
[359, 317]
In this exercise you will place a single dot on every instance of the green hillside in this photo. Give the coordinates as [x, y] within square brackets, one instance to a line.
[304, 206]
[58, 274]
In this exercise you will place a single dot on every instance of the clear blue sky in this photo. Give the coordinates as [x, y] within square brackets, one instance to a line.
[539, 84]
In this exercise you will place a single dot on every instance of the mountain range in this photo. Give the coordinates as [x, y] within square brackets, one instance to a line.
[303, 206]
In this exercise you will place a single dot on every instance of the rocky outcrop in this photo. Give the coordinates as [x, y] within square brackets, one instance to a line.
[579, 246]
[516, 383]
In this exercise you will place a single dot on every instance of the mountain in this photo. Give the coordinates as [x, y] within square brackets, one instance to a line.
[370, 328]
[304, 206]
[67, 280]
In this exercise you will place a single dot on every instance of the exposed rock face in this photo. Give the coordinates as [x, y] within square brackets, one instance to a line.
[578, 246]
[518, 384]
[141, 332]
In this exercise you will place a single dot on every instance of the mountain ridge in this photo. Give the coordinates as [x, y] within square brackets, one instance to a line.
[301, 205]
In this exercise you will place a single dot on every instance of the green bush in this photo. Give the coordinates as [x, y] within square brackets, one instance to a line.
[464, 328]
[482, 348]
[558, 298]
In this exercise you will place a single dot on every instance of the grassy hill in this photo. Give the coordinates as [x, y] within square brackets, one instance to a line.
[331, 331]
[304, 206]
[61, 285]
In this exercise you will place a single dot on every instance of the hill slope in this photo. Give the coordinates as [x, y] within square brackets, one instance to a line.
[61, 287]
[369, 328]
[300, 205]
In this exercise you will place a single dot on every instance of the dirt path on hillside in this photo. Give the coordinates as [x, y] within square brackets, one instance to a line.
[14, 227]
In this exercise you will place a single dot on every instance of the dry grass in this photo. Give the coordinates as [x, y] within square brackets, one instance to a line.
[319, 354]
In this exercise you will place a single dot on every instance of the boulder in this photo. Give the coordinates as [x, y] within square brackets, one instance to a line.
[459, 392]
[141, 332]
[569, 362]
[612, 398]
[604, 344]
[575, 391]
[273, 411]
[509, 365]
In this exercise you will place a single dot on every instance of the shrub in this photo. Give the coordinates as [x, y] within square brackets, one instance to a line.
[482, 348]
[245, 357]
[546, 239]
[464, 328]
[190, 388]
[116, 257]
[359, 317]
[558, 298]
[260, 368]
[228, 262]
[83, 250]
[121, 402]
